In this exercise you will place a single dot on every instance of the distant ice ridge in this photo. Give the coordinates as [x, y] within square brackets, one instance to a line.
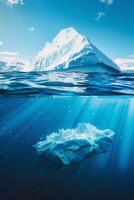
[10, 65]
[69, 146]
[71, 51]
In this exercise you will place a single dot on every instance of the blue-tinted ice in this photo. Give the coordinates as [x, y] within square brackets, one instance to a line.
[72, 145]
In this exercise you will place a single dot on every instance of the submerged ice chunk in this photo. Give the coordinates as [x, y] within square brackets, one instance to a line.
[72, 145]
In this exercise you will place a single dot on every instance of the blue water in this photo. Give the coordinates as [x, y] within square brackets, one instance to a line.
[27, 117]
[65, 83]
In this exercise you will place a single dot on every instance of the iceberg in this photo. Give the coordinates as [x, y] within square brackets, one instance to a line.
[70, 50]
[69, 146]
[9, 65]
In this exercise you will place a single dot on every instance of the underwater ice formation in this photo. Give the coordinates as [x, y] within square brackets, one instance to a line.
[72, 145]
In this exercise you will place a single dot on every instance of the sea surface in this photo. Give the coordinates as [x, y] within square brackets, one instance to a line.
[35, 104]
[66, 83]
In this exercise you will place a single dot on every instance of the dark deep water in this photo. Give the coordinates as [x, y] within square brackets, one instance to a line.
[29, 112]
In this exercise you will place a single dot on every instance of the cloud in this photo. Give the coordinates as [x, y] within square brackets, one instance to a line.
[125, 63]
[131, 56]
[14, 2]
[108, 2]
[102, 14]
[1, 43]
[8, 59]
[8, 56]
[8, 53]
[99, 15]
[31, 29]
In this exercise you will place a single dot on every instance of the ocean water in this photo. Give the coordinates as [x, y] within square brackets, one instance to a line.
[33, 105]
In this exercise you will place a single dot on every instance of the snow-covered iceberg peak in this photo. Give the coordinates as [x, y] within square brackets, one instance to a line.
[66, 43]
[58, 53]
[70, 50]
[67, 39]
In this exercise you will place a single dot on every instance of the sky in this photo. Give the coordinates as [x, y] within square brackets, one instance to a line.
[26, 25]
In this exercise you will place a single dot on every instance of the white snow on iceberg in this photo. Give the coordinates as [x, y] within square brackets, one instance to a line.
[70, 50]
[72, 145]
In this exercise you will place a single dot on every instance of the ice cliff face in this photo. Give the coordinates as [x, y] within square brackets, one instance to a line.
[72, 145]
[71, 51]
